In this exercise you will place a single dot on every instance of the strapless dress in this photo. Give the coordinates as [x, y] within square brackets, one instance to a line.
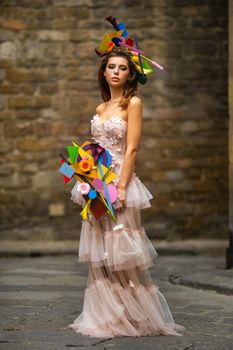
[120, 299]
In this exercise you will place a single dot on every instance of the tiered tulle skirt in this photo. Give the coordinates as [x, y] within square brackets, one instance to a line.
[121, 298]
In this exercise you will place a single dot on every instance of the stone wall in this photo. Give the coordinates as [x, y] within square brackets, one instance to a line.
[48, 94]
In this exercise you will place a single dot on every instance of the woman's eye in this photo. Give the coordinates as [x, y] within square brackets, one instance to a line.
[111, 66]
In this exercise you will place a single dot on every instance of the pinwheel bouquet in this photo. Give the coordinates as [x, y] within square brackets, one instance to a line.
[90, 164]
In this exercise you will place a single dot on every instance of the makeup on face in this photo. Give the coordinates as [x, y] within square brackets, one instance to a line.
[117, 69]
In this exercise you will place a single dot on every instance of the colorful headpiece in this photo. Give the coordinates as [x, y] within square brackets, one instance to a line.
[119, 38]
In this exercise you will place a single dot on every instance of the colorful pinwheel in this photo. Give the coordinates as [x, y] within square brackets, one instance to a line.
[91, 165]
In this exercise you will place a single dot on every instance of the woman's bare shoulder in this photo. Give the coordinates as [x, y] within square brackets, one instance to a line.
[100, 108]
[135, 101]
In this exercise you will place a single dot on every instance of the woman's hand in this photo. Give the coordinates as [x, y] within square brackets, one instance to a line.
[121, 196]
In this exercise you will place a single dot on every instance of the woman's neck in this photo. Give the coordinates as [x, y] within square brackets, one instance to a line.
[116, 94]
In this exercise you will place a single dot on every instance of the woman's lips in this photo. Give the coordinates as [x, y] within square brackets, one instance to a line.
[115, 79]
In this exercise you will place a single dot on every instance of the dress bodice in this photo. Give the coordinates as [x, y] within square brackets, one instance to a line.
[112, 135]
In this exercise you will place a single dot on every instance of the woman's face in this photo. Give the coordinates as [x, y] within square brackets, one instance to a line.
[117, 71]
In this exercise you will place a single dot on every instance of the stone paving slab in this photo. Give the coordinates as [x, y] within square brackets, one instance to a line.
[208, 274]
[38, 248]
[40, 296]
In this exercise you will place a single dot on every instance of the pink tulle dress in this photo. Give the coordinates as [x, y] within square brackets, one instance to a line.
[121, 298]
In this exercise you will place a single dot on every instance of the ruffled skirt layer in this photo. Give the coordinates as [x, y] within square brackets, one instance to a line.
[137, 195]
[124, 303]
[118, 247]
[121, 298]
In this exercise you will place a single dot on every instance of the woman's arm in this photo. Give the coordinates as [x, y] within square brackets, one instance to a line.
[133, 141]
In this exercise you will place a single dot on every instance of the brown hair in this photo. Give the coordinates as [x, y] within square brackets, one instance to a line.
[130, 86]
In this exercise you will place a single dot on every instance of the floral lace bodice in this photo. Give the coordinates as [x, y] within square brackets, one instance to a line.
[111, 134]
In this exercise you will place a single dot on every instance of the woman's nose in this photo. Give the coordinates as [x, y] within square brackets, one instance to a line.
[116, 70]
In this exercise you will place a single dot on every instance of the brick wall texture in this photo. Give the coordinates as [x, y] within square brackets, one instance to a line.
[48, 94]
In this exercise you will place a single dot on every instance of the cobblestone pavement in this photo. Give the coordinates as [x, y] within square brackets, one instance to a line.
[40, 296]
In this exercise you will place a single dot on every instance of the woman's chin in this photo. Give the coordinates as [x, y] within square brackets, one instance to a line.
[116, 83]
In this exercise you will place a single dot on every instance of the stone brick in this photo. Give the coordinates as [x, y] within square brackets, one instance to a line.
[184, 163]
[49, 113]
[4, 146]
[191, 11]
[13, 182]
[41, 101]
[169, 113]
[2, 102]
[204, 185]
[7, 88]
[195, 222]
[46, 128]
[16, 12]
[79, 35]
[174, 175]
[56, 209]
[71, 3]
[63, 23]
[30, 143]
[13, 129]
[5, 170]
[25, 114]
[6, 35]
[8, 197]
[26, 101]
[13, 24]
[33, 52]
[53, 35]
[2, 74]
[8, 51]
[77, 129]
[30, 168]
[6, 114]
[18, 75]
[49, 88]
[78, 12]
[189, 127]
[42, 179]
[18, 101]
[158, 175]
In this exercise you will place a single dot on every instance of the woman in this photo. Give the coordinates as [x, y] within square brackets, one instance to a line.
[121, 298]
